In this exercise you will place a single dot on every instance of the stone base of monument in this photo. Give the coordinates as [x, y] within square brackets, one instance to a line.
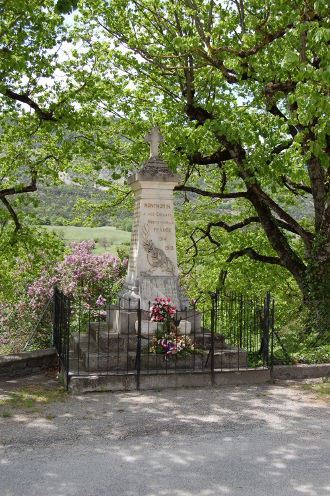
[128, 382]
[149, 328]
[124, 320]
[104, 350]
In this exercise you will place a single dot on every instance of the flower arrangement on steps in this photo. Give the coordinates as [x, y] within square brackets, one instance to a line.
[167, 340]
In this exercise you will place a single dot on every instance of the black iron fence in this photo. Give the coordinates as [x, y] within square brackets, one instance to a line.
[246, 322]
[41, 328]
[230, 331]
[61, 331]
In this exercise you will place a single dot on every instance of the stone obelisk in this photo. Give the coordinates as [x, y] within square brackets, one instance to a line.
[152, 267]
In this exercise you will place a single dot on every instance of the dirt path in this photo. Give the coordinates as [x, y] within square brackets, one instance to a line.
[31, 408]
[72, 437]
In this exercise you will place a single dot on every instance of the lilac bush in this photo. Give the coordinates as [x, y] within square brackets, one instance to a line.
[92, 280]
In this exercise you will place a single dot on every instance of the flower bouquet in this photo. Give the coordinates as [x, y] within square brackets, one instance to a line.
[167, 340]
[163, 311]
[170, 344]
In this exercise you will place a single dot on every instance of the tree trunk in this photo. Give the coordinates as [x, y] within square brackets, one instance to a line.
[317, 291]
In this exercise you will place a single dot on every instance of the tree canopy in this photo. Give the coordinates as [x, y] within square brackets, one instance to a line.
[240, 90]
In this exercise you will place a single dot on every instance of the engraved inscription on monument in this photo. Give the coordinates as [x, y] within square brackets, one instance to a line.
[154, 287]
[153, 250]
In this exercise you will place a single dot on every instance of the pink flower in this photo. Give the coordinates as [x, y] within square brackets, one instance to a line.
[100, 301]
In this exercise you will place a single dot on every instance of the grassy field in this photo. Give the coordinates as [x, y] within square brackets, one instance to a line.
[106, 238]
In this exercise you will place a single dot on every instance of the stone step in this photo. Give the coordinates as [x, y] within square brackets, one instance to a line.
[229, 359]
[203, 340]
[102, 326]
[113, 341]
[76, 341]
[94, 358]
[173, 379]
[103, 342]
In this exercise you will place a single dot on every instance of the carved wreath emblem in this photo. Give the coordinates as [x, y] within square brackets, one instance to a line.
[156, 256]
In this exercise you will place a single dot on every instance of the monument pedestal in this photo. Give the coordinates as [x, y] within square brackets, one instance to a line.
[149, 288]
[124, 321]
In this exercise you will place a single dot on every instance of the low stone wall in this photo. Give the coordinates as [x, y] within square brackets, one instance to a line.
[127, 382]
[301, 371]
[27, 363]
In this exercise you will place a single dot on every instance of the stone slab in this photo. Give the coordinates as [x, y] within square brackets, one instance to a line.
[148, 328]
[28, 362]
[128, 382]
[156, 286]
[301, 371]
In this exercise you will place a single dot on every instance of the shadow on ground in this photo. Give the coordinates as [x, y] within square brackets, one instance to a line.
[251, 440]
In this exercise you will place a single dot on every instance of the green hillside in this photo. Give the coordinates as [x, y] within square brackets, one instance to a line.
[106, 238]
[55, 205]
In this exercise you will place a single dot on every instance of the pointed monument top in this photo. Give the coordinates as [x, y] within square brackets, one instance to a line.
[154, 138]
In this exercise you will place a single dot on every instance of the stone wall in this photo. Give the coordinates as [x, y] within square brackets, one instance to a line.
[27, 363]
[301, 371]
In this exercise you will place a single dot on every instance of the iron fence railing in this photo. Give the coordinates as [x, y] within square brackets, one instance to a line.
[61, 331]
[245, 321]
[230, 331]
[40, 322]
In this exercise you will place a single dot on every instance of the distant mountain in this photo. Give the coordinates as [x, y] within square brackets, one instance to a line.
[56, 206]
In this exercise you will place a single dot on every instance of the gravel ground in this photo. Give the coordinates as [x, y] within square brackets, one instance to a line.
[245, 440]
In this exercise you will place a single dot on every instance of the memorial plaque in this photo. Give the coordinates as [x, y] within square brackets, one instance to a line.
[155, 287]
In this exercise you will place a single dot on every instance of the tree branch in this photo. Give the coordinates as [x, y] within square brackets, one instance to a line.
[292, 186]
[42, 114]
[306, 236]
[268, 38]
[284, 225]
[264, 205]
[197, 113]
[215, 158]
[16, 190]
[284, 86]
[251, 253]
[274, 110]
[11, 212]
[210, 194]
[229, 228]
[280, 148]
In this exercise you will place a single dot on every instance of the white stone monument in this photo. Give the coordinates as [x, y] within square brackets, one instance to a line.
[152, 267]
